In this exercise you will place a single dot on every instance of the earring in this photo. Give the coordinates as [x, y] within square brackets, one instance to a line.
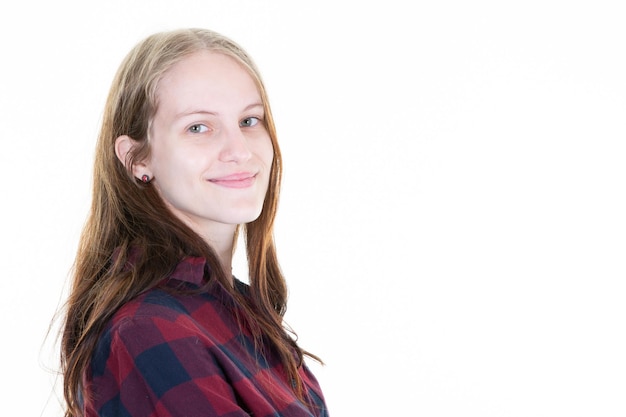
[145, 179]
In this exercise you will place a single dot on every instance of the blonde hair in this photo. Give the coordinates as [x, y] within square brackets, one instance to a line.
[127, 214]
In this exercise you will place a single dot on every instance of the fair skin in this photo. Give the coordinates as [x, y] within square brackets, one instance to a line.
[210, 153]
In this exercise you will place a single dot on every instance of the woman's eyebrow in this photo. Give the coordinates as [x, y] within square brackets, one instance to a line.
[253, 105]
[213, 113]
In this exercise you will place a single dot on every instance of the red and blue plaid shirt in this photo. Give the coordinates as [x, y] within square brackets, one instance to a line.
[167, 354]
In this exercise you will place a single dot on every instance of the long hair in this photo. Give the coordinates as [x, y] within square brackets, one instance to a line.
[126, 214]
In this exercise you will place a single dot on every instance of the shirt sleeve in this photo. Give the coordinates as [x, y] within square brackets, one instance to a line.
[154, 367]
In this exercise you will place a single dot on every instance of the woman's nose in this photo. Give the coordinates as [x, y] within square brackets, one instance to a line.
[235, 146]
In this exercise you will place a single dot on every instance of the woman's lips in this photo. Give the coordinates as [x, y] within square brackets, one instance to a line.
[237, 180]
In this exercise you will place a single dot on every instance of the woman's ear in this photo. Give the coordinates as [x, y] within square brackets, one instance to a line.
[124, 146]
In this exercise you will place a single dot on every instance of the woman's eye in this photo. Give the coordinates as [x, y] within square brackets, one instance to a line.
[198, 128]
[249, 122]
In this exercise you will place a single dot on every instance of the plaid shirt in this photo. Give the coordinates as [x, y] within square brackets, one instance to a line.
[171, 355]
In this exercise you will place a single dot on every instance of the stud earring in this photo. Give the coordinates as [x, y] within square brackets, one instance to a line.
[145, 179]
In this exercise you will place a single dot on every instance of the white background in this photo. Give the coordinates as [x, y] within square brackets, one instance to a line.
[452, 223]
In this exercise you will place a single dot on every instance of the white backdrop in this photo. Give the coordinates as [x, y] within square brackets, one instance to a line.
[452, 219]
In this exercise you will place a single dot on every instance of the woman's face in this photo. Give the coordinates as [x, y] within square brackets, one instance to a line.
[210, 151]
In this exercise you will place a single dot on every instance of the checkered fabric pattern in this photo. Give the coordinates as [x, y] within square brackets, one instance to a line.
[172, 355]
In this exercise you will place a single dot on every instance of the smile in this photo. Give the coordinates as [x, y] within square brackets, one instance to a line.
[238, 180]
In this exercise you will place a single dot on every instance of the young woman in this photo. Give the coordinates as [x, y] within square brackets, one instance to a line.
[156, 325]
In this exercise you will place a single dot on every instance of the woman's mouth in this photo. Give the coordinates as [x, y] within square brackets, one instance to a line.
[236, 180]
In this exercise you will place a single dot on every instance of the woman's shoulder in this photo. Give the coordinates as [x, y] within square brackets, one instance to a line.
[180, 307]
[174, 314]
[165, 305]
[154, 303]
[183, 291]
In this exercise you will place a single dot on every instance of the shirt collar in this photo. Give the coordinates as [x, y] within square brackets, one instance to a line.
[192, 270]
